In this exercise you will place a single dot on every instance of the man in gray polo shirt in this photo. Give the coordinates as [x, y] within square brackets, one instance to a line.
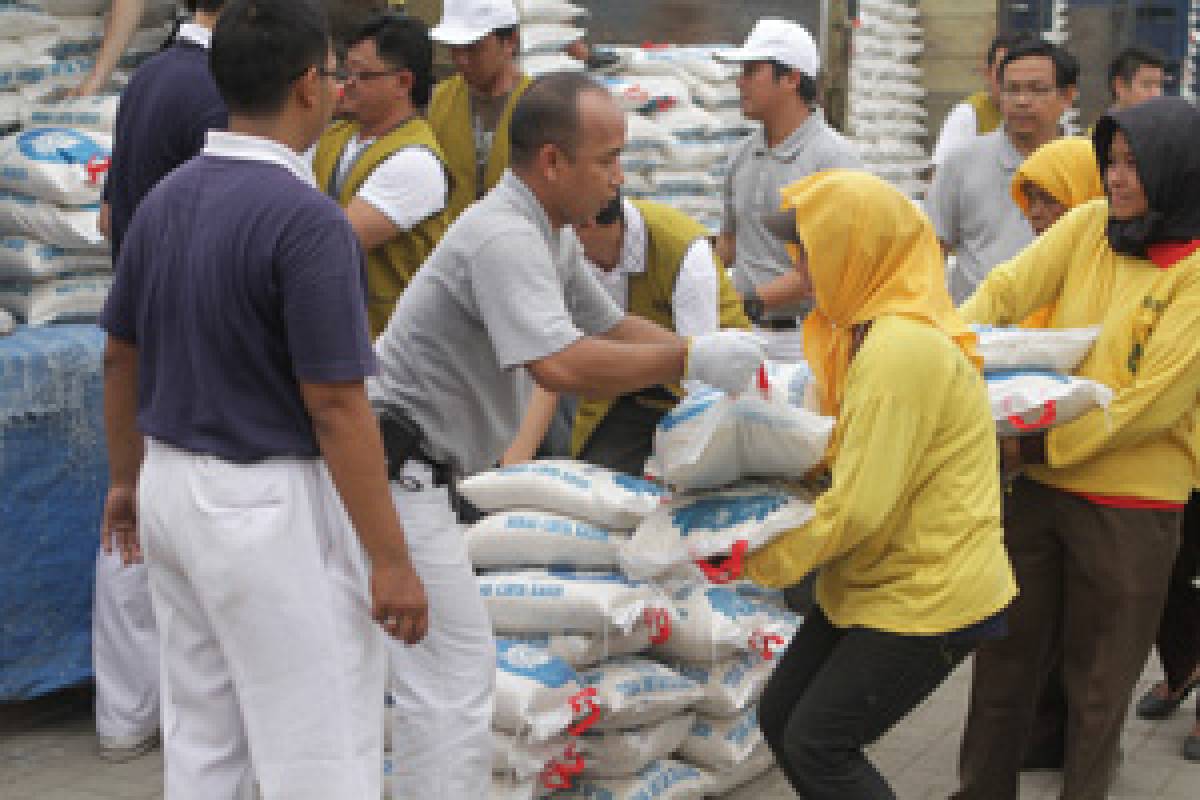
[778, 88]
[969, 201]
[506, 290]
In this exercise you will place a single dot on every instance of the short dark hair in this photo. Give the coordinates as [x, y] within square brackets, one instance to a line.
[548, 113]
[508, 32]
[1129, 61]
[403, 42]
[1066, 66]
[261, 47]
[1005, 42]
[806, 86]
[203, 5]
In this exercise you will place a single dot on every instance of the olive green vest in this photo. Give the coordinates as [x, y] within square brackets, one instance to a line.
[450, 118]
[987, 116]
[669, 235]
[391, 265]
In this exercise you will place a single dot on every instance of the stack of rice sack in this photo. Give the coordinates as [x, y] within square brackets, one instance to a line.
[885, 114]
[1029, 379]
[684, 119]
[547, 27]
[35, 61]
[608, 685]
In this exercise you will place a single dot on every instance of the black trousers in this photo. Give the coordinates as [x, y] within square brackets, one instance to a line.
[1179, 629]
[837, 690]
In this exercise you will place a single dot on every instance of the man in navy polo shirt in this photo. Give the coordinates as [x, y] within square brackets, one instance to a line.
[238, 349]
[170, 104]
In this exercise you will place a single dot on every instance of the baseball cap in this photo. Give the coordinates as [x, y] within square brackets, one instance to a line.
[468, 21]
[778, 40]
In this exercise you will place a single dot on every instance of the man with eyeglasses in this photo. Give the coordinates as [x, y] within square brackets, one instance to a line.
[385, 166]
[968, 202]
[171, 102]
[778, 87]
[470, 111]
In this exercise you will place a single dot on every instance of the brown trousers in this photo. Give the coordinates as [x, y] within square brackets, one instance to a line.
[1092, 582]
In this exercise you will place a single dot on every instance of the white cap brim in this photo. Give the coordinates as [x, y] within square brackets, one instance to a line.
[454, 35]
[740, 54]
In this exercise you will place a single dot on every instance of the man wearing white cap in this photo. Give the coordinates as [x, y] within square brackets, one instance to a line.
[470, 111]
[778, 87]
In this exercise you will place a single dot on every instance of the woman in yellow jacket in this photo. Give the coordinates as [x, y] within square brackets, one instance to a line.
[1093, 526]
[913, 570]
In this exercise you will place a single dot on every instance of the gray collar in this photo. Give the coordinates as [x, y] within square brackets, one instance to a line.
[797, 140]
[524, 201]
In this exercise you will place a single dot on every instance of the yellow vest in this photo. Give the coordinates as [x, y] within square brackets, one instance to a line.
[669, 235]
[391, 265]
[987, 116]
[450, 118]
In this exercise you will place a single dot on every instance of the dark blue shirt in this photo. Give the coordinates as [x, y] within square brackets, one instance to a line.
[170, 103]
[237, 281]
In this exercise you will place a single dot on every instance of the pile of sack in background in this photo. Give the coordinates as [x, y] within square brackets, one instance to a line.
[54, 265]
[548, 28]
[628, 665]
[886, 115]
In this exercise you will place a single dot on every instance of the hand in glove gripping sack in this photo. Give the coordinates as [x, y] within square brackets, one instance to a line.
[724, 360]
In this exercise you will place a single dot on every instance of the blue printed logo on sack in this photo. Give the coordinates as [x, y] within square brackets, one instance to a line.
[721, 513]
[638, 486]
[729, 603]
[529, 661]
[59, 146]
[689, 409]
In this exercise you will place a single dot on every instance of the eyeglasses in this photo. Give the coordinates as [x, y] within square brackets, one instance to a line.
[367, 74]
[337, 73]
[1036, 91]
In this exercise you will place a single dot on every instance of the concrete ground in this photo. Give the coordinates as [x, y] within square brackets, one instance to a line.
[47, 752]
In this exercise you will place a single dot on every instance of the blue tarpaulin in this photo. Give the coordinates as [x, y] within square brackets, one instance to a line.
[53, 475]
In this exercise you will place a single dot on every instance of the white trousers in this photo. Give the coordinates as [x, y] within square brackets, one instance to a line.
[444, 685]
[783, 346]
[124, 651]
[271, 665]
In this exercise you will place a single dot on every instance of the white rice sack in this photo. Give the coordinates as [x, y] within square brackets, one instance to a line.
[582, 491]
[30, 260]
[7, 323]
[537, 38]
[770, 783]
[633, 691]
[717, 96]
[587, 649]
[43, 73]
[98, 113]
[533, 691]
[12, 103]
[522, 759]
[643, 133]
[541, 601]
[70, 8]
[74, 299]
[56, 165]
[711, 439]
[648, 93]
[541, 11]
[747, 773]
[659, 780]
[692, 527]
[731, 686]
[686, 122]
[507, 787]
[713, 623]
[614, 754]
[26, 217]
[686, 181]
[721, 743]
[20, 20]
[520, 538]
[544, 63]
[1028, 400]
[1057, 349]
[760, 594]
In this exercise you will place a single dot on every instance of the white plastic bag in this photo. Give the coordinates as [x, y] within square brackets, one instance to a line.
[721, 743]
[713, 623]
[560, 601]
[519, 538]
[1025, 401]
[76, 299]
[69, 228]
[612, 754]
[698, 526]
[730, 686]
[633, 691]
[582, 491]
[659, 780]
[1057, 349]
[25, 259]
[63, 166]
[533, 692]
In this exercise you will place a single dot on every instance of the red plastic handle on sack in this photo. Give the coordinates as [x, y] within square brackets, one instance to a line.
[763, 383]
[1048, 416]
[95, 167]
[729, 569]
[761, 644]
[578, 703]
[557, 775]
[659, 622]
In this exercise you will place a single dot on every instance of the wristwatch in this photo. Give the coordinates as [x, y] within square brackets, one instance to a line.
[752, 304]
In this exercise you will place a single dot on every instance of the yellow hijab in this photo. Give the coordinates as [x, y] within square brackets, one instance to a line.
[871, 252]
[1067, 169]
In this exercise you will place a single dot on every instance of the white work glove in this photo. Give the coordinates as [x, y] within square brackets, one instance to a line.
[725, 360]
